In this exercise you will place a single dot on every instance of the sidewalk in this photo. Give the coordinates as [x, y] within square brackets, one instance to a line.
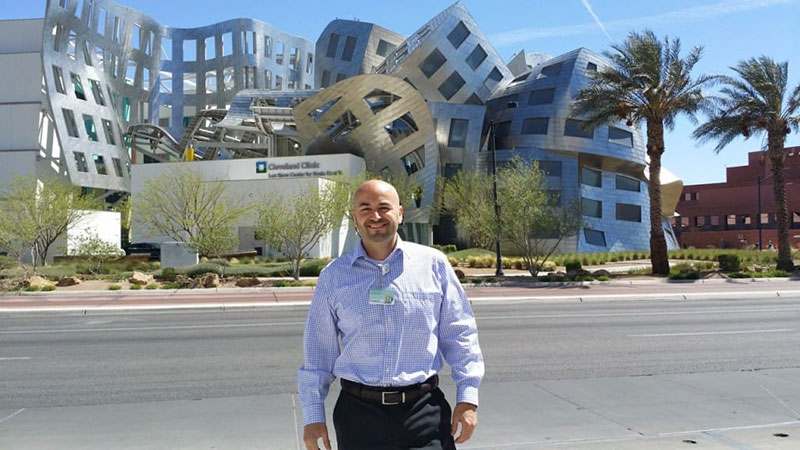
[741, 410]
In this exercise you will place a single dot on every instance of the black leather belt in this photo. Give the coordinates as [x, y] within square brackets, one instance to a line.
[393, 395]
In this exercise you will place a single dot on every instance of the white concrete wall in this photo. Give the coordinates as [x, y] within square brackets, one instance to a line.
[19, 126]
[18, 163]
[22, 77]
[21, 36]
[106, 225]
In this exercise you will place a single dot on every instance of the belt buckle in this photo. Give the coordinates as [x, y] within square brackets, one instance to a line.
[385, 403]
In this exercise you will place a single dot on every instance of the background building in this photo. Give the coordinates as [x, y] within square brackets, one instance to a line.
[727, 215]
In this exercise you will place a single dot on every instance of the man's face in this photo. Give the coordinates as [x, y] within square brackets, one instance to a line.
[376, 211]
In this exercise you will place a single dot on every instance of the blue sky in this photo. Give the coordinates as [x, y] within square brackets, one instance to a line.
[729, 30]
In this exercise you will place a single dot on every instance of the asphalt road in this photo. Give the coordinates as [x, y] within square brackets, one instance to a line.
[62, 360]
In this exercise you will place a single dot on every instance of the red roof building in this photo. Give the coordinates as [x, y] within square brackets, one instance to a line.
[727, 215]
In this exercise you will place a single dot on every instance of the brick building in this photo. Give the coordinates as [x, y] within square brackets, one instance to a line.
[726, 215]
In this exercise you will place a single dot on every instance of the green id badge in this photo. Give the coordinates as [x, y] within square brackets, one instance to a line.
[381, 297]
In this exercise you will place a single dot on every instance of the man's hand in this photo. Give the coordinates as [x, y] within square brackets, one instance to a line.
[467, 415]
[312, 433]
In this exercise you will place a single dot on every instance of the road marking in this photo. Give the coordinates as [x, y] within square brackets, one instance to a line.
[14, 358]
[631, 314]
[177, 327]
[711, 333]
[11, 415]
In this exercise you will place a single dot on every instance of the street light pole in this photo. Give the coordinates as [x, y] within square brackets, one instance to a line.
[760, 242]
[499, 263]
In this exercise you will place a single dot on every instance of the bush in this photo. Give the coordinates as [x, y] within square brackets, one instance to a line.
[135, 287]
[114, 287]
[685, 275]
[168, 274]
[449, 248]
[572, 266]
[453, 262]
[313, 267]
[33, 289]
[460, 274]
[220, 262]
[151, 286]
[729, 262]
[204, 268]
[7, 262]
[293, 283]
[603, 278]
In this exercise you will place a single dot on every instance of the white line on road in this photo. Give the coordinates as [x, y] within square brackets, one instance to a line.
[710, 333]
[646, 313]
[14, 358]
[181, 327]
[11, 415]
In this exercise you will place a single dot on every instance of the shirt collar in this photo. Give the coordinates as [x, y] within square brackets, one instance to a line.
[359, 251]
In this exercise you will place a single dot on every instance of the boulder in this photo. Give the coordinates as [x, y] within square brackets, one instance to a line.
[601, 273]
[140, 278]
[205, 281]
[68, 281]
[36, 281]
[248, 282]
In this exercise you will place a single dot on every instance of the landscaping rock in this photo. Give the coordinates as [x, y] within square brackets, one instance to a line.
[140, 278]
[68, 281]
[248, 282]
[36, 281]
[460, 274]
[601, 273]
[205, 281]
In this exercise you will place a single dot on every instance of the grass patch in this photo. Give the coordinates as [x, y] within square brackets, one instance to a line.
[114, 287]
[32, 289]
[135, 287]
[151, 287]
[464, 254]
[48, 288]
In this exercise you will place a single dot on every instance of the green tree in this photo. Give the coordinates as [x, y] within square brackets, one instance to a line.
[123, 207]
[648, 82]
[292, 224]
[35, 212]
[531, 219]
[754, 103]
[191, 209]
[95, 251]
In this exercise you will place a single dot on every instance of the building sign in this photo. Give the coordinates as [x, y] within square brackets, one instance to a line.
[294, 169]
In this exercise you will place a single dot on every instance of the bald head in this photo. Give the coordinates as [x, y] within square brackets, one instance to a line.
[372, 188]
[377, 214]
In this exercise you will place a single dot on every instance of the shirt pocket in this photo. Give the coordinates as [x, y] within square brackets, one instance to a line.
[421, 310]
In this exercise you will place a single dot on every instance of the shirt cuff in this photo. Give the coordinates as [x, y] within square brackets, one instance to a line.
[467, 394]
[314, 414]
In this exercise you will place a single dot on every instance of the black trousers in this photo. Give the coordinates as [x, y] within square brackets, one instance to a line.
[422, 424]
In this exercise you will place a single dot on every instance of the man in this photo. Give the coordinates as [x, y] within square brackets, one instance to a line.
[397, 308]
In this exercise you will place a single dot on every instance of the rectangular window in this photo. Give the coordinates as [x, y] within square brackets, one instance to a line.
[333, 45]
[628, 184]
[493, 79]
[100, 25]
[189, 50]
[69, 119]
[458, 133]
[165, 82]
[476, 57]
[577, 128]
[451, 85]
[731, 219]
[414, 161]
[401, 128]
[97, 92]
[119, 25]
[80, 161]
[228, 79]
[620, 137]
[136, 36]
[535, 125]
[146, 40]
[384, 48]
[130, 72]
[594, 237]
[765, 218]
[189, 83]
[279, 48]
[278, 83]
[698, 221]
[109, 131]
[629, 213]
[591, 208]
[591, 177]
[550, 168]
[100, 164]
[78, 86]
[267, 79]
[248, 42]
[99, 56]
[227, 44]
[294, 59]
[58, 79]
[166, 49]
[541, 97]
[550, 71]
[309, 63]
[86, 57]
[117, 166]
[88, 124]
[715, 221]
[342, 126]
[211, 82]
[249, 77]
[458, 35]
[210, 43]
[146, 85]
[432, 63]
[267, 47]
[349, 47]
[326, 78]
[591, 67]
[71, 41]
[474, 100]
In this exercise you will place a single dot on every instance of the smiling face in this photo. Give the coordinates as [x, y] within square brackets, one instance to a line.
[377, 213]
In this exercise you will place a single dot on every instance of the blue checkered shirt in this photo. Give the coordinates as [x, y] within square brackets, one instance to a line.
[388, 345]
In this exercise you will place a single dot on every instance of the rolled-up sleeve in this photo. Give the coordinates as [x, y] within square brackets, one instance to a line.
[458, 336]
[320, 351]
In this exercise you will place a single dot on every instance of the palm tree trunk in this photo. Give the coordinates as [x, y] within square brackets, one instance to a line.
[776, 158]
[658, 244]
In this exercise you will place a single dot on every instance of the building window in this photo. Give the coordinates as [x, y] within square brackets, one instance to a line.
[309, 63]
[78, 86]
[541, 97]
[522, 77]
[714, 221]
[86, 57]
[88, 124]
[333, 44]
[267, 79]
[401, 127]
[146, 79]
[126, 109]
[210, 48]
[278, 83]
[432, 63]
[629, 213]
[189, 50]
[591, 67]
[349, 47]
[458, 133]
[594, 237]
[279, 52]
[267, 47]
[80, 161]
[71, 40]
[451, 85]
[378, 100]
[578, 128]
[249, 42]
[731, 219]
[627, 183]
[690, 196]
[550, 168]
[100, 25]
[550, 71]
[166, 49]
[227, 44]
[458, 35]
[211, 82]
[506, 102]
[384, 48]
[535, 125]
[326, 78]
[317, 113]
[591, 208]
[476, 57]
[342, 126]
[100, 164]
[117, 167]
[130, 72]
[414, 161]
[699, 221]
[591, 177]
[493, 78]
[189, 83]
[58, 79]
[109, 131]
[474, 100]
[69, 120]
[249, 77]
[621, 137]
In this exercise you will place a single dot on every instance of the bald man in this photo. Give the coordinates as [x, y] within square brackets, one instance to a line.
[383, 318]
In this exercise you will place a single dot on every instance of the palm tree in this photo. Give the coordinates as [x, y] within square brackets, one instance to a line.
[647, 81]
[751, 105]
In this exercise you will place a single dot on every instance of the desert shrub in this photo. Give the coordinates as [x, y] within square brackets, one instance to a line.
[312, 268]
[449, 248]
[32, 289]
[603, 278]
[572, 265]
[151, 286]
[729, 262]
[293, 283]
[234, 261]
[135, 287]
[48, 288]
[220, 262]
[453, 262]
[472, 261]
[168, 274]
[7, 262]
[114, 287]
[204, 268]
